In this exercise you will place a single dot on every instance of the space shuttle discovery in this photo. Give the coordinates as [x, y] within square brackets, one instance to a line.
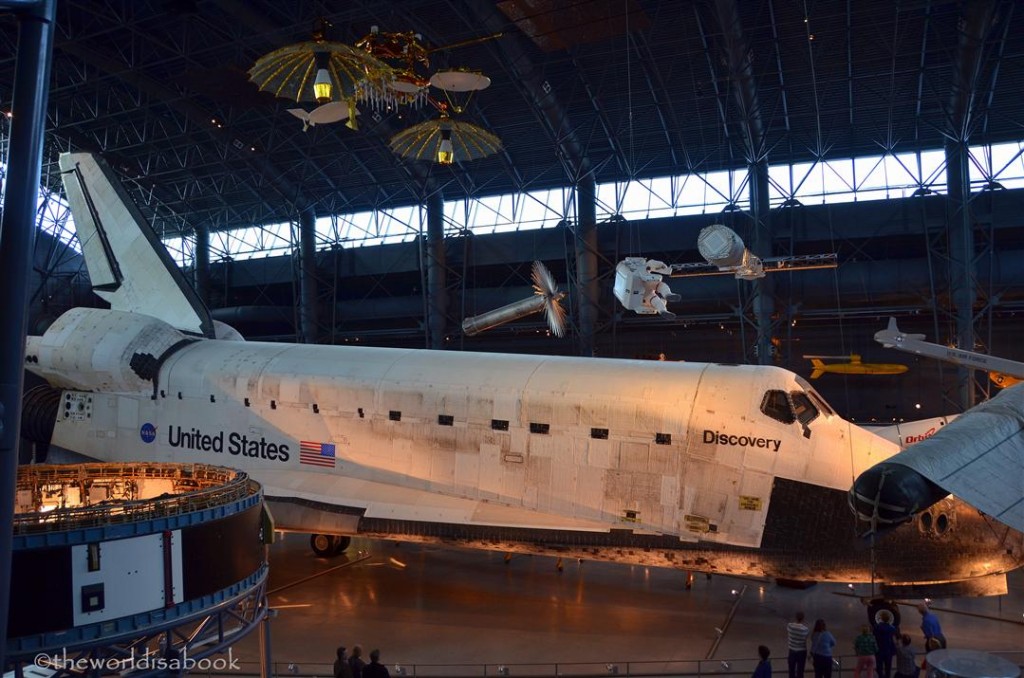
[740, 470]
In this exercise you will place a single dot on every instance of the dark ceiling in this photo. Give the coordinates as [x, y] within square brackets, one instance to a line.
[620, 88]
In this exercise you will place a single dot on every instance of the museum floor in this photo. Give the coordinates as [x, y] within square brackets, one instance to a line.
[431, 609]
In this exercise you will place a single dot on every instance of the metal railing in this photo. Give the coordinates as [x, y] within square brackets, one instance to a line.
[697, 668]
[216, 486]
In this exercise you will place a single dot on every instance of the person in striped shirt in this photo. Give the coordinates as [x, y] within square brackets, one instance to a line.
[797, 632]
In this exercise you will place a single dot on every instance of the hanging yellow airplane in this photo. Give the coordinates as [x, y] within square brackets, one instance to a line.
[852, 366]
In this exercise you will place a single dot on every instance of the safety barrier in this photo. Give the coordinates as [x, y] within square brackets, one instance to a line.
[698, 668]
[202, 486]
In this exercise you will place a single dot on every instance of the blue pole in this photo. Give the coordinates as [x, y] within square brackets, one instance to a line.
[17, 242]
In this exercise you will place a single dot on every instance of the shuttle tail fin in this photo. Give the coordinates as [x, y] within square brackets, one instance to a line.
[128, 265]
[819, 368]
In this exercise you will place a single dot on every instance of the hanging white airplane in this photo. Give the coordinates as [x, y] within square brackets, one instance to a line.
[740, 470]
[1001, 371]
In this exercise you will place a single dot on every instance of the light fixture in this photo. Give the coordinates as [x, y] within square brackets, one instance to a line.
[445, 151]
[322, 86]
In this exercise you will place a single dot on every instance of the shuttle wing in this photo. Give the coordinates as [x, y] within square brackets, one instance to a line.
[979, 458]
[391, 502]
[128, 265]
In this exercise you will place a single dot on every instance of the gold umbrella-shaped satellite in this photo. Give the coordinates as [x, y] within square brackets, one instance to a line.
[546, 297]
[445, 141]
[318, 70]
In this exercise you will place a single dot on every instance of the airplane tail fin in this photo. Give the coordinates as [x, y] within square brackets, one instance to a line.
[819, 368]
[891, 335]
[128, 265]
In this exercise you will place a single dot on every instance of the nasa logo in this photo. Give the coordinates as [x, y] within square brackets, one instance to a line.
[148, 432]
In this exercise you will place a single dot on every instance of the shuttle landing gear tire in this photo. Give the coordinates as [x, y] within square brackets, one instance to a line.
[877, 605]
[799, 584]
[327, 545]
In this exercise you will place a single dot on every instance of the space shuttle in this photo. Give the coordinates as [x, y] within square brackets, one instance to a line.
[731, 469]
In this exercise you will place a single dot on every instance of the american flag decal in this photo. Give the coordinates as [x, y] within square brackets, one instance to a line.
[316, 454]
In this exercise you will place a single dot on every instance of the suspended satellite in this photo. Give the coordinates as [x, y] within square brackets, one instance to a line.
[723, 251]
[546, 297]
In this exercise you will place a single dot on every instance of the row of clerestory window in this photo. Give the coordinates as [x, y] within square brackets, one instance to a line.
[496, 424]
[537, 427]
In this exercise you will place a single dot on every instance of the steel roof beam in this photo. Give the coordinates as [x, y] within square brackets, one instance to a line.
[974, 28]
[531, 80]
[712, 73]
[655, 86]
[741, 71]
[197, 114]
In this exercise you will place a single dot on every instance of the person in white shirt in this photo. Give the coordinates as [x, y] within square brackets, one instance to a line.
[797, 632]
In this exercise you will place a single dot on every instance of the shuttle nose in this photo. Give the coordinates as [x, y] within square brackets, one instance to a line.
[892, 493]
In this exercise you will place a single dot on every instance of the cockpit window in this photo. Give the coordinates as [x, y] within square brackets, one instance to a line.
[776, 405]
[806, 412]
[816, 397]
[820, 402]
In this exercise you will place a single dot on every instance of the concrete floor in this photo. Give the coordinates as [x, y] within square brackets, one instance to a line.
[426, 605]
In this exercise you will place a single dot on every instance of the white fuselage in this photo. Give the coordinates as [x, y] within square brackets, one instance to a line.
[715, 468]
[678, 449]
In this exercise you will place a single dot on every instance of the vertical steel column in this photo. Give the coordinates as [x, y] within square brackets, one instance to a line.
[17, 241]
[586, 261]
[961, 260]
[202, 263]
[437, 300]
[761, 245]
[740, 63]
[307, 276]
[266, 654]
[975, 25]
